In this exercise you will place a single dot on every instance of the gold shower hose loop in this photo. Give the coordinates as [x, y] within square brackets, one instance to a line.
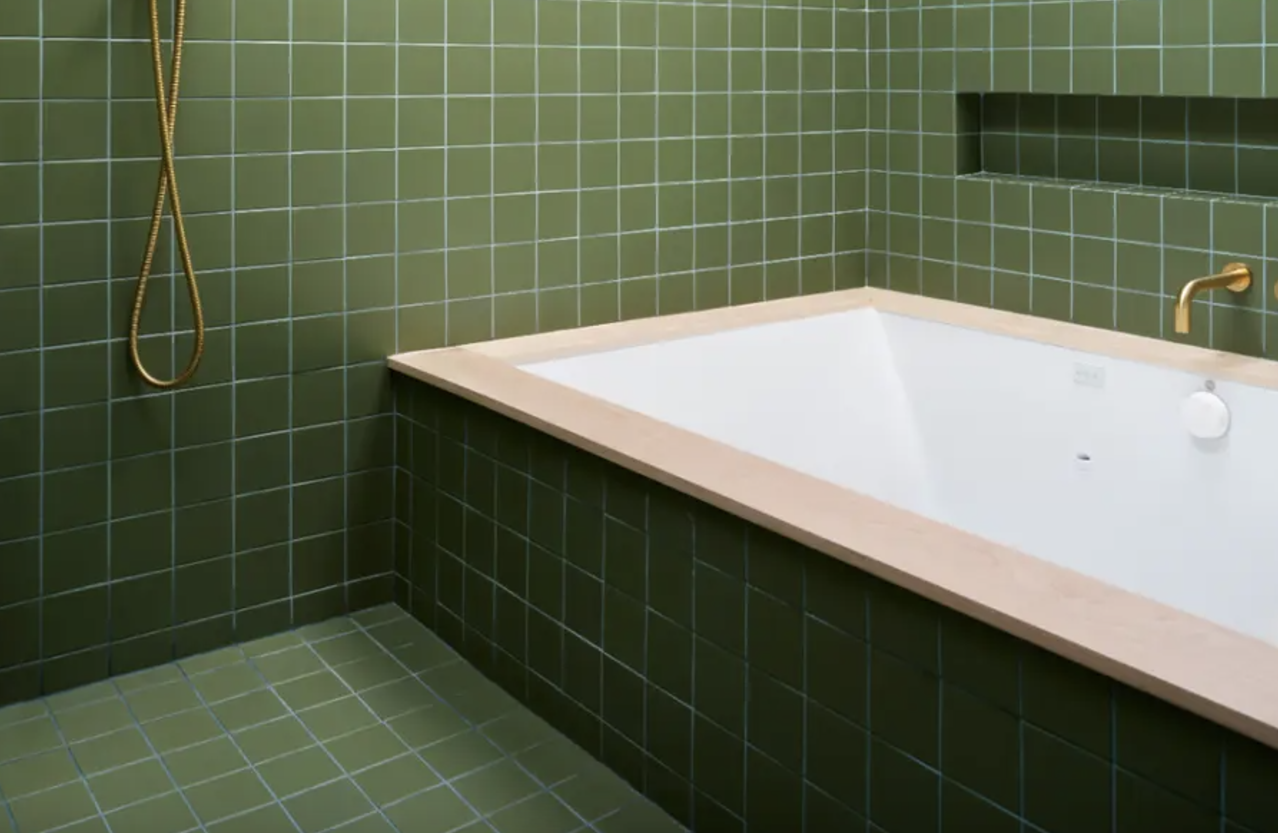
[166, 115]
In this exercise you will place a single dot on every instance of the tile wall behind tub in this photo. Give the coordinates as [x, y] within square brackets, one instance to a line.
[746, 683]
[1097, 250]
[360, 177]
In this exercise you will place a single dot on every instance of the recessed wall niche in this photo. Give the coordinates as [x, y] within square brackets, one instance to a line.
[1221, 145]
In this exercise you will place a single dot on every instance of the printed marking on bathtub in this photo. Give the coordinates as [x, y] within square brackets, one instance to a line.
[1089, 375]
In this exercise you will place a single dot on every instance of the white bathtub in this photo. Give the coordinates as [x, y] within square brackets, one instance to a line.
[1076, 458]
[1030, 473]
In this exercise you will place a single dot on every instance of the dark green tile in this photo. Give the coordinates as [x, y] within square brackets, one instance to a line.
[1250, 770]
[775, 638]
[981, 747]
[964, 810]
[1066, 788]
[720, 606]
[836, 594]
[904, 704]
[1067, 700]
[718, 765]
[837, 757]
[774, 800]
[719, 680]
[1141, 805]
[903, 792]
[1170, 747]
[775, 723]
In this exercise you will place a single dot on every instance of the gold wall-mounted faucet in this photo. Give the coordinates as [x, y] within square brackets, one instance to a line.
[1236, 278]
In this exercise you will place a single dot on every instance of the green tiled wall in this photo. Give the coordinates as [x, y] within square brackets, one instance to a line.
[749, 685]
[360, 177]
[1075, 245]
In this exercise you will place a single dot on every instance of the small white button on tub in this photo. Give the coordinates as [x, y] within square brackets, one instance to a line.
[1205, 415]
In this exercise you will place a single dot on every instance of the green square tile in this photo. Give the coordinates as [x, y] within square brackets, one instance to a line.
[74, 68]
[249, 710]
[1237, 71]
[227, 795]
[298, 771]
[837, 757]
[163, 700]
[837, 669]
[166, 814]
[540, 814]
[903, 701]
[434, 811]
[210, 661]
[93, 720]
[36, 773]
[1238, 228]
[53, 808]
[337, 718]
[1065, 788]
[1172, 748]
[27, 737]
[1141, 803]
[980, 747]
[1067, 700]
[556, 760]
[130, 784]
[398, 698]
[395, 779]
[75, 130]
[204, 762]
[183, 729]
[269, 819]
[82, 695]
[321, 808]
[323, 20]
[1251, 768]
[774, 725]
[365, 748]
[21, 18]
[227, 682]
[459, 754]
[312, 690]
[495, 787]
[775, 634]
[93, 824]
[646, 816]
[23, 181]
[904, 794]
[270, 740]
[962, 809]
[262, 20]
[110, 751]
[595, 792]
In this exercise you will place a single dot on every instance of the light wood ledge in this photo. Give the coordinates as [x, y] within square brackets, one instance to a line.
[1220, 674]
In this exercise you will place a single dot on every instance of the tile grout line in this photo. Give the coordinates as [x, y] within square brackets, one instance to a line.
[346, 297]
[83, 777]
[415, 752]
[475, 726]
[291, 184]
[42, 360]
[234, 122]
[230, 736]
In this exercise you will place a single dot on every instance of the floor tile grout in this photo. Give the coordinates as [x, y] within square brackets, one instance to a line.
[197, 678]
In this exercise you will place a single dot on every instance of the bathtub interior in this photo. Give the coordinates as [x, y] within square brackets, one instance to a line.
[1073, 457]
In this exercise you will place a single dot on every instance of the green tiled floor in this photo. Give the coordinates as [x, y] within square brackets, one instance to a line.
[364, 724]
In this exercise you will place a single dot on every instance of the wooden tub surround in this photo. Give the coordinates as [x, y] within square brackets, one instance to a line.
[1215, 672]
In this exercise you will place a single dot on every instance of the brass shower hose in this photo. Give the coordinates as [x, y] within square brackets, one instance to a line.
[166, 115]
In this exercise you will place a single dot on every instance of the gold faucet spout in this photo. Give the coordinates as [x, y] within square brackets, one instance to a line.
[1236, 278]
